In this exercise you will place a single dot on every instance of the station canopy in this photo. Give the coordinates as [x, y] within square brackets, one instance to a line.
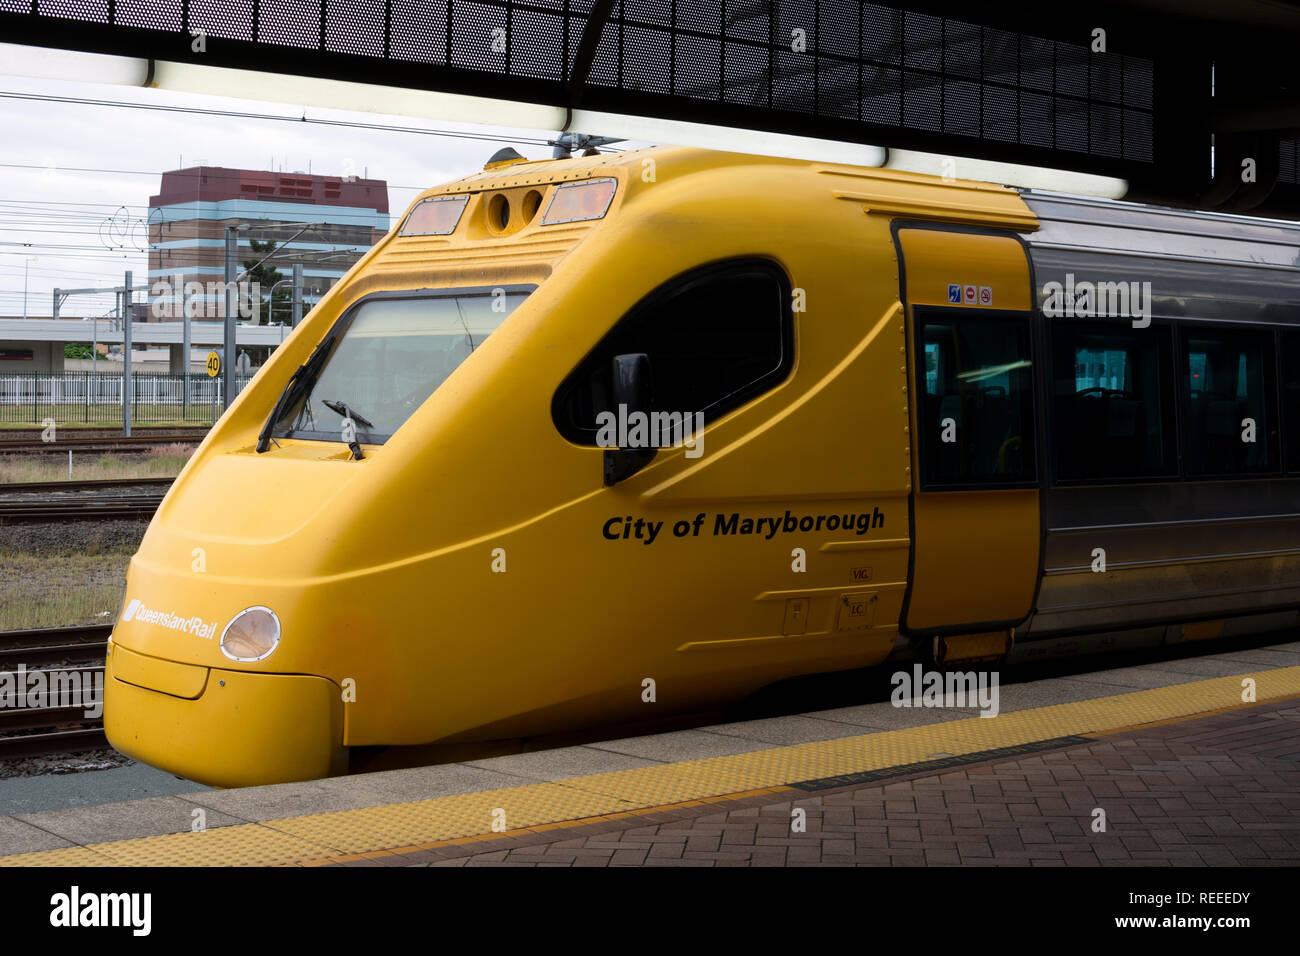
[1191, 102]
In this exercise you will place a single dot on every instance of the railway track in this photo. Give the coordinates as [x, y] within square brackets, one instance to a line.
[99, 444]
[68, 432]
[21, 487]
[43, 725]
[43, 501]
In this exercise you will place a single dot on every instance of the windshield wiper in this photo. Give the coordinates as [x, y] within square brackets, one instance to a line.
[305, 372]
[341, 408]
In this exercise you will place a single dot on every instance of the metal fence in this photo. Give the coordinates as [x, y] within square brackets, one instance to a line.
[97, 397]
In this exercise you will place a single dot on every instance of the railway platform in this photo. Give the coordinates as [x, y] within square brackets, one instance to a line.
[1191, 761]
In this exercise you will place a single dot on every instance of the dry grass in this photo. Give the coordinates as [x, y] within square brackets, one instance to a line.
[164, 461]
[56, 591]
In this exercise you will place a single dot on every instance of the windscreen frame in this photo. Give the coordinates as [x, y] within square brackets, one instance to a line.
[338, 330]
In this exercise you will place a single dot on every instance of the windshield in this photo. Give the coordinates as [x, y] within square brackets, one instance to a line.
[388, 356]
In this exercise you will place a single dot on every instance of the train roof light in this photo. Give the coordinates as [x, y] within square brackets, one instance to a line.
[578, 202]
[251, 635]
[436, 216]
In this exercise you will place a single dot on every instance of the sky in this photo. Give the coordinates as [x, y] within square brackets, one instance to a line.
[75, 178]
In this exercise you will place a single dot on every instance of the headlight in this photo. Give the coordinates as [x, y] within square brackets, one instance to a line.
[251, 635]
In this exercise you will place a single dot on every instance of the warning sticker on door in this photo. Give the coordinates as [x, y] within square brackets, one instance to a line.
[964, 293]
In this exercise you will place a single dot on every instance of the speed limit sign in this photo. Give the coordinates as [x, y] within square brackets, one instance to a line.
[213, 365]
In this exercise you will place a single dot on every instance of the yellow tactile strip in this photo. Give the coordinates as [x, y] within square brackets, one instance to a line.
[372, 831]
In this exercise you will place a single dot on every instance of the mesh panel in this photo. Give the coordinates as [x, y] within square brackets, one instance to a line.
[837, 31]
[1137, 82]
[418, 30]
[746, 20]
[792, 88]
[837, 94]
[232, 19]
[796, 20]
[1105, 122]
[882, 95]
[1071, 123]
[922, 41]
[1288, 154]
[655, 13]
[1072, 69]
[746, 74]
[1036, 120]
[1000, 56]
[963, 52]
[537, 45]
[150, 14]
[882, 34]
[698, 63]
[1138, 136]
[480, 36]
[1000, 110]
[605, 64]
[95, 10]
[575, 26]
[355, 26]
[1037, 68]
[290, 23]
[833, 59]
[961, 108]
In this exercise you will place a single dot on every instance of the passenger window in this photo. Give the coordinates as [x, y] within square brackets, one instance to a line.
[1291, 398]
[977, 417]
[716, 337]
[931, 368]
[1113, 402]
[1229, 404]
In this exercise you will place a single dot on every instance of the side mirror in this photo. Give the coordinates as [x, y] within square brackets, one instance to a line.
[631, 392]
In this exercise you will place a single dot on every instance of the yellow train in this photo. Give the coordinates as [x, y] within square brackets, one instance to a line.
[583, 441]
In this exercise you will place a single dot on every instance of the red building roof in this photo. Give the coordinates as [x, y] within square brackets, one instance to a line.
[217, 183]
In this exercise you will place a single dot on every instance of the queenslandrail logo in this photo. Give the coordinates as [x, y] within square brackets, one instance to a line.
[922, 688]
[651, 430]
[136, 611]
[75, 908]
[1090, 300]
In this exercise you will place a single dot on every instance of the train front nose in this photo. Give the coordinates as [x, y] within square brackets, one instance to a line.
[224, 728]
[201, 695]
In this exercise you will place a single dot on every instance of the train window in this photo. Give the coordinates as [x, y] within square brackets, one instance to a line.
[385, 357]
[1291, 397]
[977, 413]
[932, 368]
[716, 337]
[1113, 402]
[1230, 423]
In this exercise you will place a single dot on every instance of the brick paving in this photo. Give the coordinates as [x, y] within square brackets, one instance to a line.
[1217, 791]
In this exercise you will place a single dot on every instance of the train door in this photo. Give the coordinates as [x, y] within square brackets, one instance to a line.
[975, 507]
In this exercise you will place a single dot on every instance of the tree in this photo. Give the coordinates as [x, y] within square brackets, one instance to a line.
[266, 277]
[76, 350]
